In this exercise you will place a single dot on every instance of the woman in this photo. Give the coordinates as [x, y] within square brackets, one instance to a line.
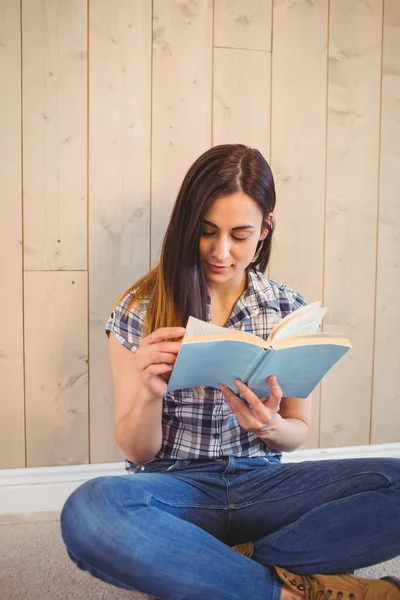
[207, 510]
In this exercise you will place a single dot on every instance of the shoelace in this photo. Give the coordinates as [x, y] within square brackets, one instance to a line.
[311, 594]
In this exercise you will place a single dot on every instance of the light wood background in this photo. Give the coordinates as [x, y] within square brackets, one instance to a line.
[104, 106]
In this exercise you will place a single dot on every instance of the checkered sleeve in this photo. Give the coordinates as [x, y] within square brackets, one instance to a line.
[127, 324]
[296, 300]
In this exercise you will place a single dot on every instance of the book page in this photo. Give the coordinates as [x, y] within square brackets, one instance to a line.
[303, 325]
[201, 331]
[312, 339]
[300, 312]
[198, 327]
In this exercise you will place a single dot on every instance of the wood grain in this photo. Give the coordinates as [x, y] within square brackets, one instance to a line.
[385, 424]
[12, 428]
[243, 24]
[298, 151]
[54, 59]
[119, 185]
[351, 214]
[242, 92]
[182, 101]
[56, 369]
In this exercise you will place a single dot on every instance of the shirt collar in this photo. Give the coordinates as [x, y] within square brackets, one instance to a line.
[259, 293]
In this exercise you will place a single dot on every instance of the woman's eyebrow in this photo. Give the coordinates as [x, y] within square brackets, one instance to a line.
[233, 228]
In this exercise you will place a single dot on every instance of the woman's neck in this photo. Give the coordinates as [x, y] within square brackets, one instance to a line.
[228, 293]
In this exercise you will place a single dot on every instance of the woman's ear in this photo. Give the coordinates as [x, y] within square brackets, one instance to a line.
[267, 226]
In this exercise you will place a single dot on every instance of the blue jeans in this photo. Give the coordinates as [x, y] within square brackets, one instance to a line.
[167, 530]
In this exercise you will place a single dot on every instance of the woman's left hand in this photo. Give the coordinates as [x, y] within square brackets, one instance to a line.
[259, 416]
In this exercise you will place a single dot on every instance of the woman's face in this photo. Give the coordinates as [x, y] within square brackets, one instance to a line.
[231, 230]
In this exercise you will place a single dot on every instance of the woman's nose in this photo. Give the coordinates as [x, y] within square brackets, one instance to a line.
[220, 250]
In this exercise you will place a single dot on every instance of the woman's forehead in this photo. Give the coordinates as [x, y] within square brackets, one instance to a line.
[235, 210]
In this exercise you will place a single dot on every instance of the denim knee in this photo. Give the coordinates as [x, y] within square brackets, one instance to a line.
[80, 512]
[93, 510]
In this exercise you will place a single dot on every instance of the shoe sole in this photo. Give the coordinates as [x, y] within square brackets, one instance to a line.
[394, 580]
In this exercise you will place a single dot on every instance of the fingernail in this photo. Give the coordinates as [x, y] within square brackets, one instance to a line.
[238, 381]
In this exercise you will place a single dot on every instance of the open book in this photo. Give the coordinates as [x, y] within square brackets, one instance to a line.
[294, 351]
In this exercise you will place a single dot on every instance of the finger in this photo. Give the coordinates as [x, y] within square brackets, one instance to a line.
[163, 333]
[249, 395]
[159, 369]
[262, 410]
[236, 404]
[172, 347]
[272, 404]
[276, 391]
[244, 414]
[155, 358]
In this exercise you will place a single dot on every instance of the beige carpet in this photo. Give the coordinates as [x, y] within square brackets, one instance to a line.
[34, 566]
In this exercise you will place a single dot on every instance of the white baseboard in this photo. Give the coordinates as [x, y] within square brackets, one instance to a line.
[45, 489]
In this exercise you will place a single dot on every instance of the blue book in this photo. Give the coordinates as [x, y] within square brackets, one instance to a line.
[295, 351]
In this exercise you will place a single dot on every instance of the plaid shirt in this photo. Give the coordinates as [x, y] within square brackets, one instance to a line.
[204, 426]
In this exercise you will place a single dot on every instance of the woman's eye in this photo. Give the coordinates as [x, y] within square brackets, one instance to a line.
[237, 239]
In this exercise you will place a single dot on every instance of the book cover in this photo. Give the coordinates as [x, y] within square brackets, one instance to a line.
[294, 351]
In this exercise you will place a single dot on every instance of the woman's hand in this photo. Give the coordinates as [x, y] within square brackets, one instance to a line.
[155, 359]
[259, 416]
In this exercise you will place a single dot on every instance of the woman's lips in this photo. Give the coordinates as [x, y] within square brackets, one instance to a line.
[217, 268]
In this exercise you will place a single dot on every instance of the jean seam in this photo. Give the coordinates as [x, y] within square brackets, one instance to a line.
[393, 481]
[229, 508]
[211, 507]
[171, 468]
[316, 487]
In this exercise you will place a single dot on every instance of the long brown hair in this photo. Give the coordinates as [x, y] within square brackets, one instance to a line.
[176, 286]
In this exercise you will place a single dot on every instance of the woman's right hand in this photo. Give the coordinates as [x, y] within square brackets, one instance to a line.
[155, 359]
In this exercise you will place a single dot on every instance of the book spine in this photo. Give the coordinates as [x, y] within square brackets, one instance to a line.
[260, 366]
[255, 365]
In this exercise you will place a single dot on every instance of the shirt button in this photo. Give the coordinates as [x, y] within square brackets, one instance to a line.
[216, 436]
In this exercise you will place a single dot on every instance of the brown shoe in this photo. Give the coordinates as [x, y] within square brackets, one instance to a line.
[247, 549]
[340, 587]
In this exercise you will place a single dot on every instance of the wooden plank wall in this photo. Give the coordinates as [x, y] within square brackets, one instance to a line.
[385, 418]
[12, 409]
[54, 133]
[103, 110]
[181, 101]
[353, 133]
[119, 206]
[298, 142]
[242, 74]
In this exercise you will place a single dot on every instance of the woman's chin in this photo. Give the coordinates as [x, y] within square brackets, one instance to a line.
[218, 275]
